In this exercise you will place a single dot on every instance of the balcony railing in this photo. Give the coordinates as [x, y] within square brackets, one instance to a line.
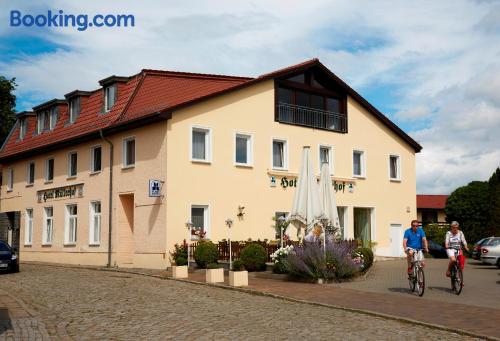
[310, 117]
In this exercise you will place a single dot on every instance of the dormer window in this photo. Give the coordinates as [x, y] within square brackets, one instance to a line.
[23, 127]
[52, 118]
[42, 120]
[74, 109]
[109, 97]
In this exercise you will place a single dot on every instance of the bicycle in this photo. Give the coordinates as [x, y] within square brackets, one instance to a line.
[456, 274]
[417, 278]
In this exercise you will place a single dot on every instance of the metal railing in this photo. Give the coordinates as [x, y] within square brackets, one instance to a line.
[311, 117]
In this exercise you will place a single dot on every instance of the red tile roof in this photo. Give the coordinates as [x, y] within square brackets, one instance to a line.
[431, 201]
[150, 93]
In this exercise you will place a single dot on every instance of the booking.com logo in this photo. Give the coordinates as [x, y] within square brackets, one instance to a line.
[80, 21]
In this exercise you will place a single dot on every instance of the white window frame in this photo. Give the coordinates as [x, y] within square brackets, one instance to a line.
[52, 118]
[40, 122]
[208, 143]
[92, 149]
[398, 168]
[28, 173]
[70, 175]
[249, 138]
[92, 227]
[345, 228]
[48, 237]
[206, 217]
[330, 157]
[285, 153]
[106, 94]
[67, 240]
[47, 180]
[28, 227]
[23, 128]
[363, 163]
[125, 165]
[74, 102]
[10, 179]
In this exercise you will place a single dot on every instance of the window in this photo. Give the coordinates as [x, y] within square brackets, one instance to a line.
[74, 109]
[23, 127]
[95, 159]
[394, 168]
[280, 223]
[109, 97]
[48, 225]
[28, 227]
[30, 178]
[95, 223]
[342, 212]
[200, 221]
[72, 164]
[128, 152]
[40, 122]
[49, 170]
[243, 150]
[10, 179]
[326, 156]
[280, 154]
[53, 119]
[200, 144]
[71, 224]
[358, 163]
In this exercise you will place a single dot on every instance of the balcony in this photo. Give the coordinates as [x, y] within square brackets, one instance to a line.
[310, 117]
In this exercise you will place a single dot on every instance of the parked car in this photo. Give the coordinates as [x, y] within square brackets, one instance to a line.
[436, 250]
[476, 250]
[9, 260]
[490, 252]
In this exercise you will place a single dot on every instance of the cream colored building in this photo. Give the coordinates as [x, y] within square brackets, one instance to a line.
[201, 148]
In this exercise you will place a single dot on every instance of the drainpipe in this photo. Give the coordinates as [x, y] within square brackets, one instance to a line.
[110, 213]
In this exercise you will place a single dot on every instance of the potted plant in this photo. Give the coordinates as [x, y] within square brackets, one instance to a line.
[238, 277]
[178, 259]
[214, 273]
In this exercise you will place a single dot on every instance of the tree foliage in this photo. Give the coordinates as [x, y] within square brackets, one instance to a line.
[493, 228]
[7, 105]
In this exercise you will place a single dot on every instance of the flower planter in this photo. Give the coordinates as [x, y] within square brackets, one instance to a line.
[180, 271]
[238, 278]
[214, 275]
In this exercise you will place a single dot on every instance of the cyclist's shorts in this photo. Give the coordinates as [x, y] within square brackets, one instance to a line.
[451, 252]
[420, 253]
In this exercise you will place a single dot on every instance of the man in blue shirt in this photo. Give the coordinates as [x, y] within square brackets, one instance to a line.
[414, 240]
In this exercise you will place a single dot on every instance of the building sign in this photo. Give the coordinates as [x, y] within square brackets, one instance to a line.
[66, 192]
[339, 186]
[154, 188]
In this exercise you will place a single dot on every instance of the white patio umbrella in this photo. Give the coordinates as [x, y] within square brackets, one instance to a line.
[327, 197]
[307, 210]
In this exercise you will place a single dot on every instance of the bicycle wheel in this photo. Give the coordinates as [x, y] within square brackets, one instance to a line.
[412, 281]
[421, 282]
[458, 280]
[452, 277]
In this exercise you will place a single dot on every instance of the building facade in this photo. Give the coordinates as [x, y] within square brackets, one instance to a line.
[113, 175]
[430, 208]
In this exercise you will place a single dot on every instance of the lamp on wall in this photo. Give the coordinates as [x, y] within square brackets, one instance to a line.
[189, 226]
[229, 223]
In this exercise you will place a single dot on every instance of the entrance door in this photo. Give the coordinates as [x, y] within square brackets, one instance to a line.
[9, 228]
[125, 246]
[397, 240]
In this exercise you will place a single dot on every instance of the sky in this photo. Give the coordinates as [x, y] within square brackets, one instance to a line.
[433, 67]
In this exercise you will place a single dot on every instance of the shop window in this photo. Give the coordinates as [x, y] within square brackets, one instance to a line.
[200, 221]
[72, 164]
[30, 178]
[243, 150]
[394, 167]
[96, 159]
[95, 223]
[201, 149]
[28, 227]
[48, 227]
[280, 154]
[71, 225]
[128, 152]
[49, 170]
[358, 163]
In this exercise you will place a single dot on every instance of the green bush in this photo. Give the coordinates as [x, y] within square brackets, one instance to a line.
[213, 266]
[367, 256]
[279, 268]
[180, 261]
[436, 233]
[254, 257]
[238, 265]
[179, 255]
[206, 253]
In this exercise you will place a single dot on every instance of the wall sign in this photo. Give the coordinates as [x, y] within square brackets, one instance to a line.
[338, 186]
[73, 191]
[154, 188]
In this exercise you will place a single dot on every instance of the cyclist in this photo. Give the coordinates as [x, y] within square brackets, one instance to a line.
[413, 239]
[454, 241]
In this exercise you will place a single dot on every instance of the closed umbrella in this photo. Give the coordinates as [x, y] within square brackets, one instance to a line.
[307, 210]
[327, 197]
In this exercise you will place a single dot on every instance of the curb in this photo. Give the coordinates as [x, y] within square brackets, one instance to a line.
[285, 298]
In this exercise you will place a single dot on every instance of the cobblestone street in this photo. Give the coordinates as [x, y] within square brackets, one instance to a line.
[45, 302]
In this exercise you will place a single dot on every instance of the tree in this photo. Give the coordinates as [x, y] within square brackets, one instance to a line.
[470, 206]
[7, 105]
[493, 228]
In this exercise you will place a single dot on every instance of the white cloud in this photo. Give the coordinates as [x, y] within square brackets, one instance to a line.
[441, 58]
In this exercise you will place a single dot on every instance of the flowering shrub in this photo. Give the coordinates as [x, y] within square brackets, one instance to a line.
[179, 255]
[366, 255]
[359, 259]
[278, 256]
[309, 261]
